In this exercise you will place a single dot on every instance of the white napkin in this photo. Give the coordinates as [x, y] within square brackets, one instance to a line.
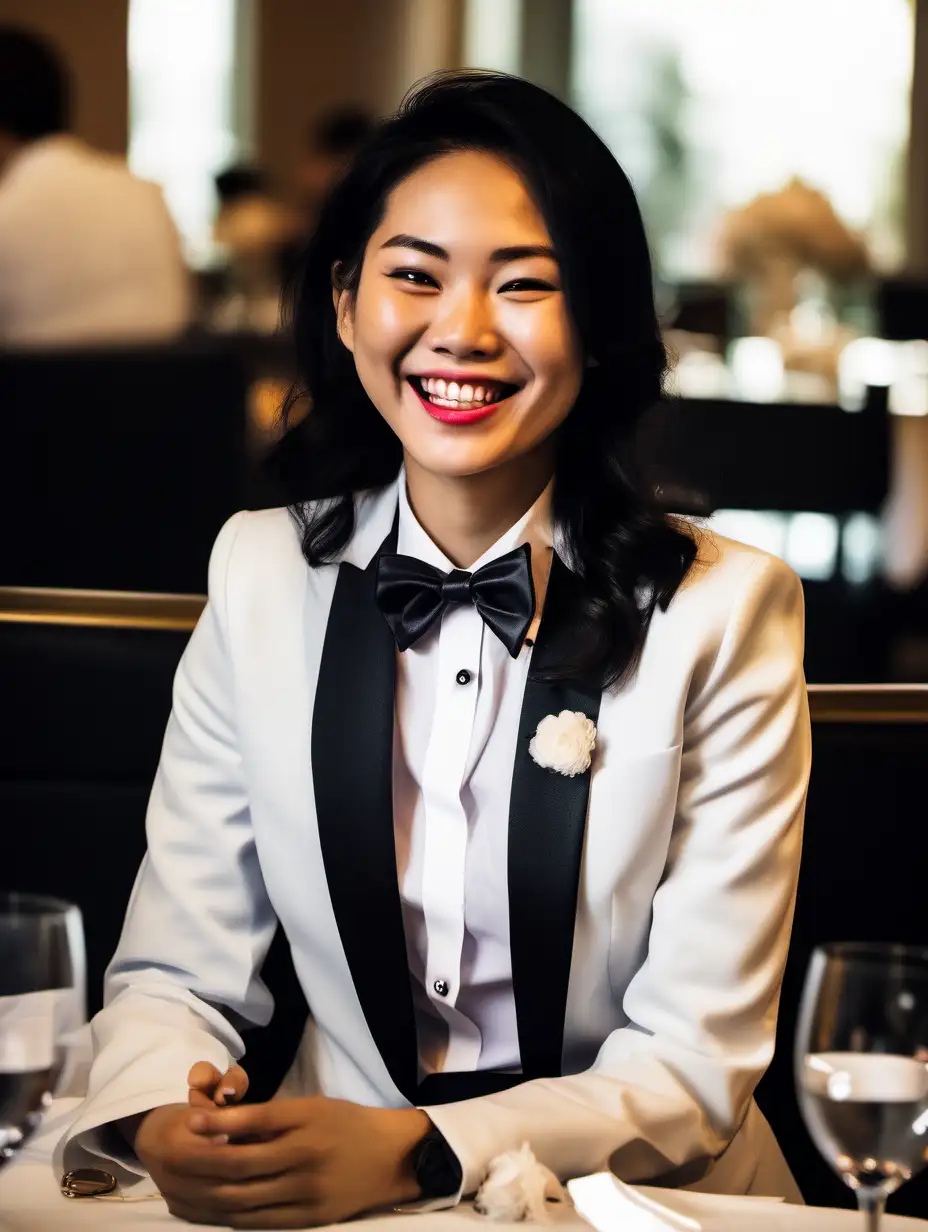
[611, 1206]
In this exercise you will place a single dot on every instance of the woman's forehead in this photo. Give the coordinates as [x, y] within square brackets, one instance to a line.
[465, 198]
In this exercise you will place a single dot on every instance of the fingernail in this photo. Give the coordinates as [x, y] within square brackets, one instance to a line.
[221, 1139]
[228, 1092]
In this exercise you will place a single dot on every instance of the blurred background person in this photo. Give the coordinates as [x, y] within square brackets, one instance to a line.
[329, 144]
[88, 252]
[255, 234]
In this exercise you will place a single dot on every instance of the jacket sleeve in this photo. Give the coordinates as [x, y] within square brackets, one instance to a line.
[673, 1087]
[199, 922]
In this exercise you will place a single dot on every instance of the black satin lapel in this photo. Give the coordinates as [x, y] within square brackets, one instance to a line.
[352, 757]
[547, 821]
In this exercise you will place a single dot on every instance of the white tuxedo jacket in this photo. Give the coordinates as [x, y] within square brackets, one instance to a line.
[650, 899]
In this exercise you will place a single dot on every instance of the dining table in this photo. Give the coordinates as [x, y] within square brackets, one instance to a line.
[31, 1201]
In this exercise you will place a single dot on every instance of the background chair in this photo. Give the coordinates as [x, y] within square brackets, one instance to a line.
[120, 465]
[790, 456]
[703, 455]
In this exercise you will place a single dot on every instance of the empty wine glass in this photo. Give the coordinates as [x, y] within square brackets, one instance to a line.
[862, 1066]
[41, 989]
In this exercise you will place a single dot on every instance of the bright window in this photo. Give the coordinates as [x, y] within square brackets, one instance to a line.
[182, 77]
[709, 102]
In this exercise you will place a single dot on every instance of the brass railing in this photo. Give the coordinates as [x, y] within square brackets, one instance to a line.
[107, 608]
[830, 703]
[869, 703]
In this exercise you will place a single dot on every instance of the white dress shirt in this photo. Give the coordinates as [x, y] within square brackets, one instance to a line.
[455, 746]
[88, 252]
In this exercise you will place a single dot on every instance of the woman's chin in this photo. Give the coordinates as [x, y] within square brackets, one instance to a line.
[455, 451]
[456, 462]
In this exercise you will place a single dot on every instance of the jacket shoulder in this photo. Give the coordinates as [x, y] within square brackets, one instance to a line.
[724, 569]
[255, 553]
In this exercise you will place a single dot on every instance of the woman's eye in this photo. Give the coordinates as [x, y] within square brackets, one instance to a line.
[527, 284]
[414, 277]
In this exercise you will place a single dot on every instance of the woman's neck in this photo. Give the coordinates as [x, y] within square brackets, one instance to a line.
[464, 515]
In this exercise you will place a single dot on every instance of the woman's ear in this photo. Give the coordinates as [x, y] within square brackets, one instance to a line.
[344, 317]
[343, 302]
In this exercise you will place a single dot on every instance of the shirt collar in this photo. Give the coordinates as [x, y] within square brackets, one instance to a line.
[535, 528]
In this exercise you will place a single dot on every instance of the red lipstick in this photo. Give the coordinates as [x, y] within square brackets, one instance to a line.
[445, 415]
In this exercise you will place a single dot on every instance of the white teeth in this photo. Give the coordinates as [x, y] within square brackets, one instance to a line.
[463, 396]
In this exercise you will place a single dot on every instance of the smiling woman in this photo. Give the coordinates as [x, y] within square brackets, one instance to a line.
[517, 763]
[487, 240]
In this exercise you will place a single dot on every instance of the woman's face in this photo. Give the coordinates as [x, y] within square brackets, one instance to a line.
[459, 327]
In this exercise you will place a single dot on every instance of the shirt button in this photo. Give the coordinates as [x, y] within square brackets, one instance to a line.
[463, 676]
[441, 987]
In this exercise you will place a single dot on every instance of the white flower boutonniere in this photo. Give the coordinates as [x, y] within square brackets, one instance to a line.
[518, 1188]
[564, 742]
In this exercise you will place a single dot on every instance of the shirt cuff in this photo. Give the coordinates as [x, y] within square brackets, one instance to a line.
[459, 1124]
[91, 1142]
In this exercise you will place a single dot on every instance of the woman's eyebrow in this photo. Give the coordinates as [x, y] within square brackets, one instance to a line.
[413, 241]
[521, 252]
[499, 256]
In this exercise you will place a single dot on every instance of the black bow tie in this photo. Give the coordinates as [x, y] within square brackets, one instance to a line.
[412, 595]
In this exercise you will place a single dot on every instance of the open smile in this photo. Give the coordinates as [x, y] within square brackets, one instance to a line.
[461, 401]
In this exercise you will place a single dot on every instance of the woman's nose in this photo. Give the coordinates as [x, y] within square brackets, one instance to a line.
[465, 328]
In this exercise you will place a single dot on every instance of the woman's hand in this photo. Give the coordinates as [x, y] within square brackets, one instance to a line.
[208, 1087]
[285, 1164]
[180, 1160]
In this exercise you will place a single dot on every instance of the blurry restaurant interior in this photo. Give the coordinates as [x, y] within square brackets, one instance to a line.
[780, 156]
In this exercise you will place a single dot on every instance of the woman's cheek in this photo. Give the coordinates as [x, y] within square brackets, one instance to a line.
[382, 317]
[544, 339]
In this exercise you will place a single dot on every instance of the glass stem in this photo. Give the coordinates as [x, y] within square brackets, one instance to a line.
[872, 1202]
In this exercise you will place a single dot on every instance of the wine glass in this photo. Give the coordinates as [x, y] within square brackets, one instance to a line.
[41, 995]
[862, 1066]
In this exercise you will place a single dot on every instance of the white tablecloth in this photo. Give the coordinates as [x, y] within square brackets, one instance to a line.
[30, 1201]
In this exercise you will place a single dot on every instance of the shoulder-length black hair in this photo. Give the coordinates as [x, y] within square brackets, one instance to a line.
[629, 557]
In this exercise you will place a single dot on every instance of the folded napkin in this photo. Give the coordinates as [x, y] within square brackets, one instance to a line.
[611, 1206]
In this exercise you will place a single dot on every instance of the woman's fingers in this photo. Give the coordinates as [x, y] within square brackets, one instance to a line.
[204, 1077]
[232, 1086]
[209, 1087]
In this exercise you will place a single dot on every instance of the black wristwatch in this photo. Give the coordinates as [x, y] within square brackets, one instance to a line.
[435, 1166]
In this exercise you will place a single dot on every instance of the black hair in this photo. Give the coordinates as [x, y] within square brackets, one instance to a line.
[340, 131]
[630, 558]
[35, 86]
